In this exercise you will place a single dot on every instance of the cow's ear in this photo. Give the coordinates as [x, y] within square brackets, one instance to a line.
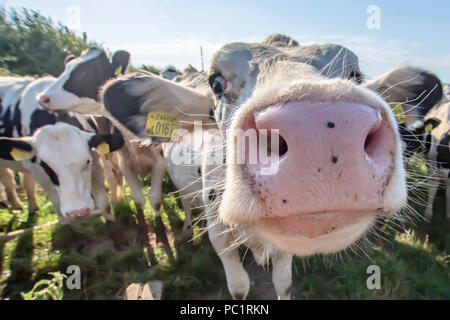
[15, 149]
[120, 61]
[408, 85]
[431, 124]
[106, 143]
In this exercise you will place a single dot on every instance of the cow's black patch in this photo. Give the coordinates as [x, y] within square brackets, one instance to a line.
[121, 104]
[7, 124]
[87, 77]
[443, 152]
[212, 195]
[427, 94]
[49, 171]
[40, 118]
[356, 77]
[17, 119]
[7, 144]
[211, 114]
[115, 142]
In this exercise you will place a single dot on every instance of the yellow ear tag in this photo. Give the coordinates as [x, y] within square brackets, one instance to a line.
[20, 155]
[103, 148]
[118, 71]
[429, 127]
[399, 112]
[161, 124]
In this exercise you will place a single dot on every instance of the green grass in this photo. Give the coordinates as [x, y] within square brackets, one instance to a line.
[414, 264]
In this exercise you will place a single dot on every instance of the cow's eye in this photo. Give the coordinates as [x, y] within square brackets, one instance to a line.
[218, 85]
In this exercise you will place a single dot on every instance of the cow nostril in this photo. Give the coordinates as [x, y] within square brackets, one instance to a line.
[283, 146]
[375, 140]
[273, 150]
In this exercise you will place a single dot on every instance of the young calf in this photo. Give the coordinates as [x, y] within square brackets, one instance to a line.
[62, 160]
[11, 89]
[77, 90]
[338, 163]
[435, 145]
[30, 118]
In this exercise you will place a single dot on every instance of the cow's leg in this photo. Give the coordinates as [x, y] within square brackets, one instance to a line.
[282, 275]
[432, 190]
[102, 203]
[139, 200]
[155, 198]
[29, 184]
[113, 177]
[7, 179]
[188, 231]
[237, 278]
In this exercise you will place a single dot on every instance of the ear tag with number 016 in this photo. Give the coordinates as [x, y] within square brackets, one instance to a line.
[161, 124]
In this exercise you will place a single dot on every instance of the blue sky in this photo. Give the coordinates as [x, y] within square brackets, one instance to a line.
[163, 32]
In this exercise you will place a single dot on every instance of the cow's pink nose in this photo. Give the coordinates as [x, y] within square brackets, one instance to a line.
[332, 157]
[78, 214]
[44, 101]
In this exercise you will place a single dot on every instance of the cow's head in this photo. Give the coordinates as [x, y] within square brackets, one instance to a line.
[59, 157]
[340, 160]
[417, 137]
[77, 87]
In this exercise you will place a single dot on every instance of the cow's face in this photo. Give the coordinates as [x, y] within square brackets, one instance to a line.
[339, 159]
[77, 87]
[59, 156]
[339, 156]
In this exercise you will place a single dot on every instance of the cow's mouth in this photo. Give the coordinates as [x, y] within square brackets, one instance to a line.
[316, 233]
[314, 225]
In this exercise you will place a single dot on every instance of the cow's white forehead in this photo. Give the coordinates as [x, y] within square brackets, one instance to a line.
[62, 142]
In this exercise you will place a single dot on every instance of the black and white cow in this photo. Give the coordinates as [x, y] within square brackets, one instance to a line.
[11, 89]
[60, 156]
[77, 90]
[338, 164]
[434, 143]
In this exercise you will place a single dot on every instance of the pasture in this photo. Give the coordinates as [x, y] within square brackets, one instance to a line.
[414, 263]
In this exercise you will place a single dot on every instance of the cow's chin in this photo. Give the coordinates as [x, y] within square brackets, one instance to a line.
[318, 233]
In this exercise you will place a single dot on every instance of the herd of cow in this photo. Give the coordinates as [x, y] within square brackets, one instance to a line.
[340, 162]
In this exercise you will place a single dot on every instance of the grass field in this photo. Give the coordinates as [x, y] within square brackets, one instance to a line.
[414, 264]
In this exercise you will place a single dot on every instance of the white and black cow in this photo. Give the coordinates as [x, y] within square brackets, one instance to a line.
[339, 154]
[55, 167]
[434, 142]
[11, 89]
[77, 90]
[61, 159]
